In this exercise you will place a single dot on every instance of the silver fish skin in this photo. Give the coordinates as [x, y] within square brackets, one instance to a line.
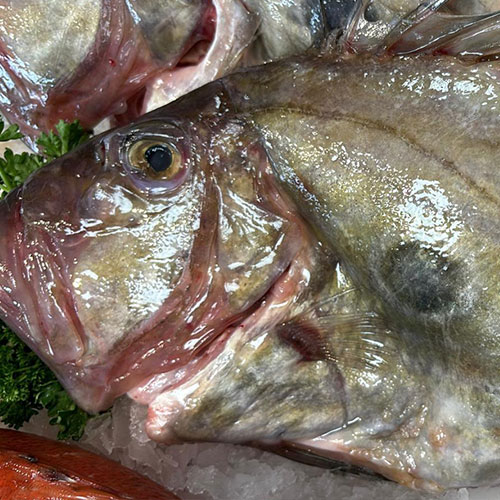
[286, 28]
[117, 59]
[371, 23]
[301, 254]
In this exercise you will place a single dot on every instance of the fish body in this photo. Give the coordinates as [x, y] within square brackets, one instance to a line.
[294, 255]
[35, 468]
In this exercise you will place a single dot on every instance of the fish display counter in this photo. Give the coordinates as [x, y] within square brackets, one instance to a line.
[297, 258]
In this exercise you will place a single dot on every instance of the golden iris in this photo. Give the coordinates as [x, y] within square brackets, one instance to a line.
[156, 158]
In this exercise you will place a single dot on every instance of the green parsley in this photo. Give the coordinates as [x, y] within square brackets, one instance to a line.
[15, 168]
[67, 138]
[26, 384]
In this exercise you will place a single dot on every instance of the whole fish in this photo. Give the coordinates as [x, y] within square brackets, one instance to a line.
[300, 255]
[35, 468]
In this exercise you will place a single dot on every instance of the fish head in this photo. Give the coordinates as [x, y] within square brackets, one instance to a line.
[134, 253]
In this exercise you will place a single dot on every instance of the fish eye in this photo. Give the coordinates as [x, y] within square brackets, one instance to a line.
[371, 15]
[156, 158]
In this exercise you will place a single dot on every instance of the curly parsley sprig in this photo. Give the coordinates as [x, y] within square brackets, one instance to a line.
[15, 168]
[26, 384]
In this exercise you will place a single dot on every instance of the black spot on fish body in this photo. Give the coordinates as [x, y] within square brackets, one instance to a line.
[421, 279]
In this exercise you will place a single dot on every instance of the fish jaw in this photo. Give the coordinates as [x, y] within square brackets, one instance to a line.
[385, 417]
[258, 391]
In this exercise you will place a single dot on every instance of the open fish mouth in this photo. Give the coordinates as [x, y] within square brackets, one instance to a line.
[54, 328]
[116, 281]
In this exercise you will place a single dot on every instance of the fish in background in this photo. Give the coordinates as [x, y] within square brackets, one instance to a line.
[302, 255]
[372, 21]
[35, 468]
[95, 59]
[91, 59]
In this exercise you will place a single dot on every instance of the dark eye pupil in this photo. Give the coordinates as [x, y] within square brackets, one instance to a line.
[371, 14]
[159, 157]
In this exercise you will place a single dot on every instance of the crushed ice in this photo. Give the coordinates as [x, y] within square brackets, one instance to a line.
[229, 472]
[224, 471]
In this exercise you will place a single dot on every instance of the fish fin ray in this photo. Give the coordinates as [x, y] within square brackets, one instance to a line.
[468, 37]
[361, 340]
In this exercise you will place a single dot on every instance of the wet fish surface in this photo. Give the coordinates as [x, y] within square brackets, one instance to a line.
[89, 59]
[301, 254]
[93, 59]
[97, 59]
[35, 468]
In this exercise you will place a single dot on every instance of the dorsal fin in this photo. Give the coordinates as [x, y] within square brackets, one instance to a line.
[427, 29]
[476, 37]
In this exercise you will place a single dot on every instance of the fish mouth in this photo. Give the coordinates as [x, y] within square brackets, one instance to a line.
[50, 327]
[268, 309]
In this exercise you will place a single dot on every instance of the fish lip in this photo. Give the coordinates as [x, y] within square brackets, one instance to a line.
[23, 310]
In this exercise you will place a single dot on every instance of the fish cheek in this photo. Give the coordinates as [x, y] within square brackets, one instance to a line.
[127, 272]
[251, 249]
[303, 379]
